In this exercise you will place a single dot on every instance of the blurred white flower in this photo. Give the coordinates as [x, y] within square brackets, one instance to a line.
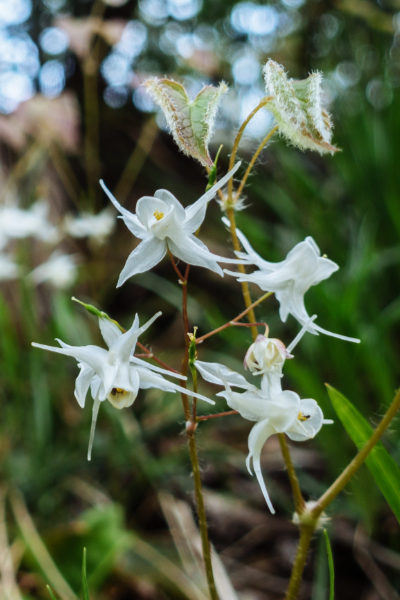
[283, 413]
[115, 374]
[163, 224]
[18, 223]
[8, 268]
[96, 227]
[60, 270]
[290, 279]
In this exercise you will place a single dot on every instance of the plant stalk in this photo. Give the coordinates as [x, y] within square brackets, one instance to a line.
[331, 493]
[191, 426]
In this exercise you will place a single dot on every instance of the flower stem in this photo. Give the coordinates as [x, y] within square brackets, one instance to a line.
[294, 482]
[224, 414]
[253, 160]
[191, 425]
[230, 323]
[238, 137]
[306, 533]
[358, 460]
[298, 498]
[331, 493]
[245, 286]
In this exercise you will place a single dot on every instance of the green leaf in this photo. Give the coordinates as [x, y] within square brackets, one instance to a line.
[191, 123]
[52, 596]
[85, 589]
[331, 567]
[381, 465]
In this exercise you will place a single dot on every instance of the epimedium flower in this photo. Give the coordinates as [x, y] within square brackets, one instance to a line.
[285, 412]
[115, 374]
[297, 108]
[163, 224]
[60, 270]
[290, 279]
[95, 227]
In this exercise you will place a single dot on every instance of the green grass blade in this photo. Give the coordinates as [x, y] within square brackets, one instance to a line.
[85, 589]
[52, 596]
[381, 465]
[331, 567]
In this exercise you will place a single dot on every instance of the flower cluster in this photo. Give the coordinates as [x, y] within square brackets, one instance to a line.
[274, 410]
[164, 226]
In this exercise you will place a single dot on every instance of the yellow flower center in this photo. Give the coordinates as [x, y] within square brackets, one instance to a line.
[158, 215]
[302, 417]
[116, 391]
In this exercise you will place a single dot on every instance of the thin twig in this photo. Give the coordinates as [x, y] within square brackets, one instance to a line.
[253, 160]
[230, 323]
[224, 414]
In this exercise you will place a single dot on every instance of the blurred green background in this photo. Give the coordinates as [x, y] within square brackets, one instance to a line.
[72, 110]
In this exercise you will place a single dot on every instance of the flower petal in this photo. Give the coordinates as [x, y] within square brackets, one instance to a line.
[124, 346]
[96, 406]
[172, 202]
[192, 254]
[109, 331]
[257, 438]
[153, 380]
[130, 220]
[143, 363]
[143, 258]
[196, 212]
[212, 372]
[83, 382]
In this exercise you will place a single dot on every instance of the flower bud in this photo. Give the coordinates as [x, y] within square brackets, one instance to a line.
[266, 355]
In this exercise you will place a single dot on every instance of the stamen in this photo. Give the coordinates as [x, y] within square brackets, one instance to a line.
[116, 391]
[302, 417]
[158, 215]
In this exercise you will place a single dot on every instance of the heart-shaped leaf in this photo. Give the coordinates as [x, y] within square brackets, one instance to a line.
[191, 123]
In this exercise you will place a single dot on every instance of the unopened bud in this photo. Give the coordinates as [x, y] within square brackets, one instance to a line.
[266, 355]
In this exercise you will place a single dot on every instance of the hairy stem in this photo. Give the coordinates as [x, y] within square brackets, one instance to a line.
[238, 137]
[294, 482]
[358, 460]
[191, 424]
[245, 286]
[306, 533]
[330, 494]
[253, 160]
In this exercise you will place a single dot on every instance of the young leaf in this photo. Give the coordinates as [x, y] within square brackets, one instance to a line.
[297, 108]
[382, 466]
[331, 567]
[191, 123]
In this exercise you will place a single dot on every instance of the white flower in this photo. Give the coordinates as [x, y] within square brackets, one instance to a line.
[115, 374]
[18, 223]
[8, 268]
[162, 223]
[96, 227]
[290, 279]
[60, 270]
[283, 413]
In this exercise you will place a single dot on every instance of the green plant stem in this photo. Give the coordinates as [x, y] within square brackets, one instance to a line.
[306, 533]
[294, 482]
[253, 160]
[191, 425]
[330, 494]
[238, 137]
[358, 460]
[230, 213]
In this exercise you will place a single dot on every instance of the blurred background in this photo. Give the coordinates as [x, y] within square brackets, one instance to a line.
[72, 111]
